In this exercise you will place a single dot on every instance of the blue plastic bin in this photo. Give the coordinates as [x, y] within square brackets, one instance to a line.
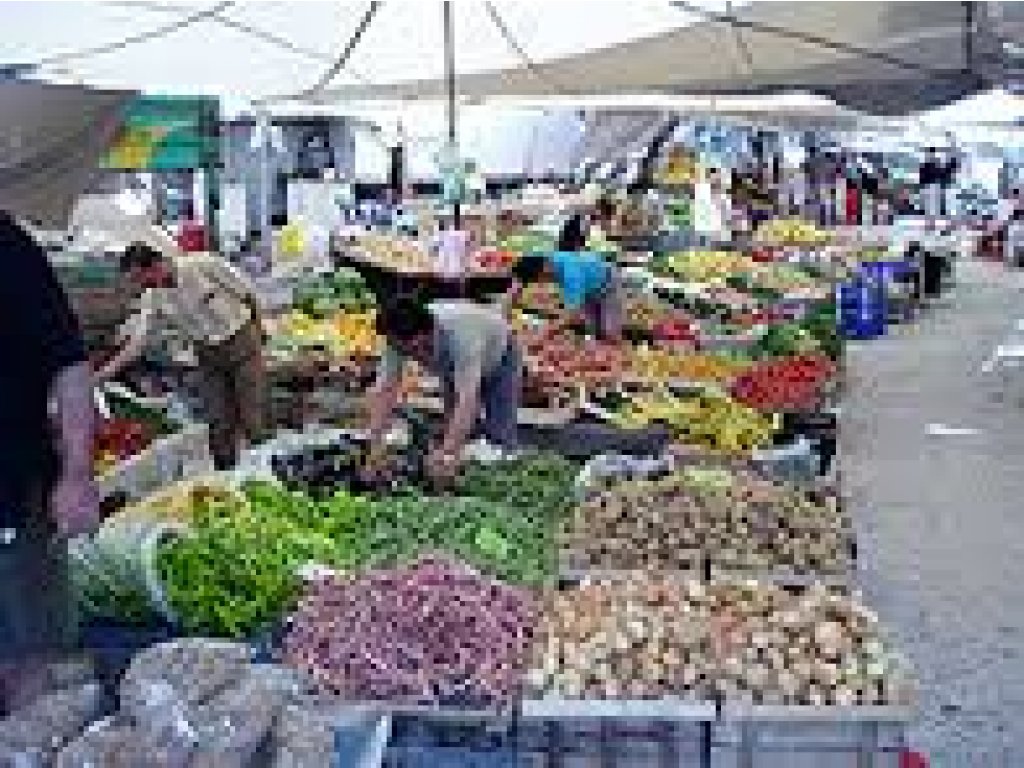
[885, 271]
[427, 743]
[862, 308]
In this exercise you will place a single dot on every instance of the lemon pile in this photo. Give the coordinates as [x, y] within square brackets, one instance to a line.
[792, 232]
[712, 420]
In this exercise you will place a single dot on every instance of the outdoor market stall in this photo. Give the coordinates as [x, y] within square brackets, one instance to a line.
[718, 571]
[666, 574]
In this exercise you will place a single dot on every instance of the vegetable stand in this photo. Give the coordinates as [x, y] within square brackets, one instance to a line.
[688, 606]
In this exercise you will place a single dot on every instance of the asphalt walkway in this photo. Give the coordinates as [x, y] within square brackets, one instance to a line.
[940, 518]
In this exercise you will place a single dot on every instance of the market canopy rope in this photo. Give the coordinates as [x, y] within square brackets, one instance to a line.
[142, 37]
[532, 67]
[247, 29]
[339, 64]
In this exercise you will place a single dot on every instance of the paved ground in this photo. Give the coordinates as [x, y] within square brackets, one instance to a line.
[941, 519]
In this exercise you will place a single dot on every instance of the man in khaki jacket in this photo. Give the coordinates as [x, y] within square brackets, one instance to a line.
[206, 301]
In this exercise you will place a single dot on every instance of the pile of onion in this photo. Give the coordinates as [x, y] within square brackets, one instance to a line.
[433, 633]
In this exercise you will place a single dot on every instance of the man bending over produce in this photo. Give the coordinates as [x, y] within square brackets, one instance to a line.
[471, 349]
[204, 299]
[591, 287]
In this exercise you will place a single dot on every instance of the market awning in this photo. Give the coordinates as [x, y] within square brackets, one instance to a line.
[877, 57]
[51, 140]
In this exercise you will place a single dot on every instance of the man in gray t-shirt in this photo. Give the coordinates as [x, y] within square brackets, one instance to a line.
[471, 349]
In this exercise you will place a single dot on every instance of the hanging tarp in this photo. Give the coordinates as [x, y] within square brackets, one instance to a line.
[875, 57]
[51, 141]
[616, 143]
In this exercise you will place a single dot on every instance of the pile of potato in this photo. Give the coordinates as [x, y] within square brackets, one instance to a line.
[628, 640]
[644, 636]
[739, 521]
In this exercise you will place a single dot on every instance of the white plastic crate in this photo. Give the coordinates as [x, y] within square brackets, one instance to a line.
[810, 737]
[183, 454]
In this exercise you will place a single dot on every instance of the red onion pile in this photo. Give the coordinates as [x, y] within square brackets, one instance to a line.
[433, 633]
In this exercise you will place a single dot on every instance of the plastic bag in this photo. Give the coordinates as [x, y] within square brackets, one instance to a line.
[235, 726]
[795, 462]
[113, 744]
[305, 732]
[196, 670]
[161, 716]
[614, 467]
[32, 736]
[292, 241]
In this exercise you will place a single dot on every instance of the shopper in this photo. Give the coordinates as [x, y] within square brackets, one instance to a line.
[591, 288]
[712, 211]
[931, 176]
[471, 349]
[1007, 224]
[47, 491]
[1013, 250]
[212, 306]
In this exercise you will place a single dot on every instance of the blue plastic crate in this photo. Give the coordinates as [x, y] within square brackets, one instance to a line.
[886, 271]
[457, 757]
[424, 742]
[862, 308]
[504, 743]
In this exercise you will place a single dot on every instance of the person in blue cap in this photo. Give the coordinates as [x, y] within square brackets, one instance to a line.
[591, 288]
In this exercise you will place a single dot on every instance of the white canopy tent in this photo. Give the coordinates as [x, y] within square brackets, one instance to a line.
[873, 56]
[536, 75]
[244, 51]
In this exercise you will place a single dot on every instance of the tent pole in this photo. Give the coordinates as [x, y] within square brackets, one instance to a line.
[264, 122]
[449, 61]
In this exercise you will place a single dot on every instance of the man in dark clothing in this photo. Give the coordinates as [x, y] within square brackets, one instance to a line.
[47, 491]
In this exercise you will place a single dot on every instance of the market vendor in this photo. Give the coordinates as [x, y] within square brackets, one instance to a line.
[591, 288]
[471, 349]
[47, 491]
[602, 223]
[206, 301]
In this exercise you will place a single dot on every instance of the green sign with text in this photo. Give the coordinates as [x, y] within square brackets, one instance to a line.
[165, 133]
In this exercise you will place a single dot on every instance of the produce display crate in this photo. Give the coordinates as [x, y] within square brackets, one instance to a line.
[811, 737]
[625, 734]
[180, 455]
[634, 734]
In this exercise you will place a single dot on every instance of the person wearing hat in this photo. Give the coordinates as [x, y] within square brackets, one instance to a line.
[471, 349]
[590, 287]
[201, 298]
